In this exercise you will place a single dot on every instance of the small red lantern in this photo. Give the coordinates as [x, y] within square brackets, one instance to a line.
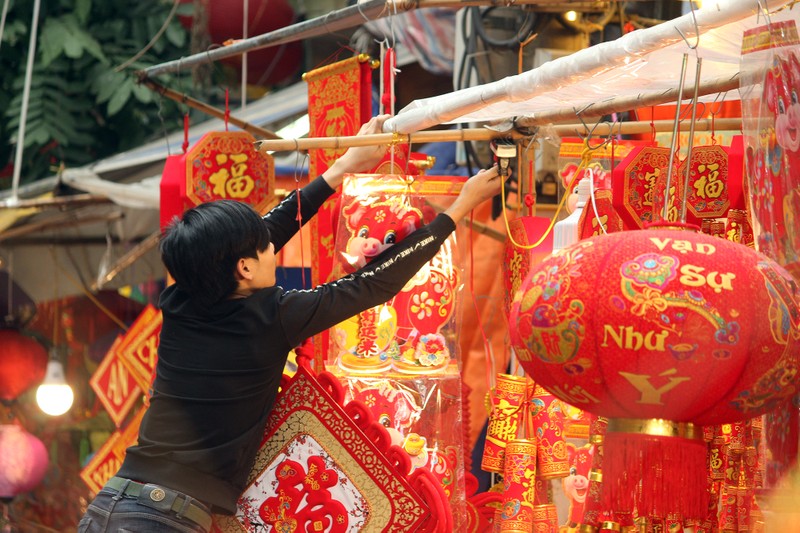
[23, 461]
[670, 328]
[22, 363]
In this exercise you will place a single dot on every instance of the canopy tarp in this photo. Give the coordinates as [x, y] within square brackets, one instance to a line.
[645, 61]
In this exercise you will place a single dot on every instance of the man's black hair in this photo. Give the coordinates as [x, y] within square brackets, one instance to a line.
[201, 249]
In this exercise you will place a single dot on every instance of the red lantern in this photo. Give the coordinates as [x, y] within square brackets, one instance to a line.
[660, 324]
[22, 363]
[266, 66]
[23, 461]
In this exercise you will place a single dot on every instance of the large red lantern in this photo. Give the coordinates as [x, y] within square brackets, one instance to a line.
[266, 66]
[23, 461]
[660, 329]
[22, 363]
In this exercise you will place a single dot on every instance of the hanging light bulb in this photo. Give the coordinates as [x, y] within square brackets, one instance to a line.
[54, 396]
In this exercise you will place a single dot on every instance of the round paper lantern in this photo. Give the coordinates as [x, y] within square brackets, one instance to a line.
[22, 363]
[23, 461]
[266, 66]
[660, 329]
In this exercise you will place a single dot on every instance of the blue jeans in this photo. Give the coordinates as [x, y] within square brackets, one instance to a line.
[111, 512]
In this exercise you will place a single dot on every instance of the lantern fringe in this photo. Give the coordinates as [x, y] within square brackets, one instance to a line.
[655, 475]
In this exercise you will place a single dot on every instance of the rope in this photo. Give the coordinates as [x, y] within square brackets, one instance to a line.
[586, 158]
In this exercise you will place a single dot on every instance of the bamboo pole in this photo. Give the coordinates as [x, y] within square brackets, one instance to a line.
[337, 20]
[602, 129]
[207, 109]
[58, 201]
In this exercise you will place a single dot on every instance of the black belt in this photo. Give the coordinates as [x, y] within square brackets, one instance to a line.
[163, 499]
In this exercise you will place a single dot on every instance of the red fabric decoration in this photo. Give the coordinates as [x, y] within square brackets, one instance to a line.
[339, 102]
[524, 231]
[481, 506]
[22, 363]
[669, 334]
[323, 467]
[23, 461]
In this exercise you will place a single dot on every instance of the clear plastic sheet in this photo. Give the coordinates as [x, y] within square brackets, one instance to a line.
[643, 61]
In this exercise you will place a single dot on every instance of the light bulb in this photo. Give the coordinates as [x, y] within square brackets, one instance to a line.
[571, 16]
[54, 395]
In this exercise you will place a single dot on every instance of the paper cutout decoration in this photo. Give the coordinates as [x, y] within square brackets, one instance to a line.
[115, 385]
[635, 184]
[104, 464]
[708, 182]
[222, 165]
[317, 470]
[225, 165]
[138, 349]
[107, 460]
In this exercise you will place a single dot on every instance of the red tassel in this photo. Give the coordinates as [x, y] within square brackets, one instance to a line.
[656, 475]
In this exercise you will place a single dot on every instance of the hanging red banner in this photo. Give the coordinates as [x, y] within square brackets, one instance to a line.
[339, 102]
[115, 385]
[707, 191]
[224, 165]
[635, 184]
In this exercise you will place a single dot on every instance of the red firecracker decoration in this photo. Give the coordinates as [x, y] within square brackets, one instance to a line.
[22, 363]
[683, 329]
[23, 461]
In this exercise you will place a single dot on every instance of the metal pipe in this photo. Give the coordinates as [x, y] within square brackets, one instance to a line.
[26, 93]
[674, 143]
[336, 20]
[690, 143]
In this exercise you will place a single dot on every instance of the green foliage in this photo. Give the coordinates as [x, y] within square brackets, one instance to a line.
[80, 107]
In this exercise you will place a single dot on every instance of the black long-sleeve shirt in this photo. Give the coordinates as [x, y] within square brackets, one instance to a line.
[218, 369]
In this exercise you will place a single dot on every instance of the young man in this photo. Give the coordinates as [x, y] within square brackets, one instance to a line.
[226, 334]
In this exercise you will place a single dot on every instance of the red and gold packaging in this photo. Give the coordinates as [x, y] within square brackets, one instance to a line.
[547, 421]
[519, 486]
[505, 418]
[545, 518]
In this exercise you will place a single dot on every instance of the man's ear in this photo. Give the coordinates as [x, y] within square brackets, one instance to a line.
[244, 269]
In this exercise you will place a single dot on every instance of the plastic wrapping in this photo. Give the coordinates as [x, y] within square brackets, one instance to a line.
[771, 113]
[423, 416]
[414, 332]
[642, 61]
[400, 360]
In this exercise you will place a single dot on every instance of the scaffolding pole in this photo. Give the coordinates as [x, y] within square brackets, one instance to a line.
[337, 20]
